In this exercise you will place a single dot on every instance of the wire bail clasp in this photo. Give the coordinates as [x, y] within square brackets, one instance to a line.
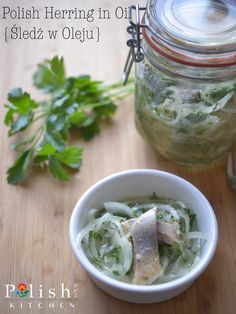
[134, 30]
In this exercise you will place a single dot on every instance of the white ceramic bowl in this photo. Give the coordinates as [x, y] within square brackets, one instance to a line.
[142, 183]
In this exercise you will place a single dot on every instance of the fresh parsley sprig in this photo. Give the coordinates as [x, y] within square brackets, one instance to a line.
[74, 102]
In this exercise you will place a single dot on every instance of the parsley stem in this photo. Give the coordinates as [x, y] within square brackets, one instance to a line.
[121, 93]
[39, 117]
[39, 110]
[38, 135]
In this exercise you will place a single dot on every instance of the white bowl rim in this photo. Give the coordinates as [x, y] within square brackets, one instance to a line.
[184, 280]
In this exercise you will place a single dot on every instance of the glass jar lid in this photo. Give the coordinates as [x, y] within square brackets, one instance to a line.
[196, 25]
[198, 33]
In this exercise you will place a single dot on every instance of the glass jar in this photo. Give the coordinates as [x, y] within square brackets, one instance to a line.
[185, 102]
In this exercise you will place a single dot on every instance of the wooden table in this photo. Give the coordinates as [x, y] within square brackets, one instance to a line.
[34, 217]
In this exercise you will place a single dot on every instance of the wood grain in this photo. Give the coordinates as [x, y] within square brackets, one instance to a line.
[34, 217]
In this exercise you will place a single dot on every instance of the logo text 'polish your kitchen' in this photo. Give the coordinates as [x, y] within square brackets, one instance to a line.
[23, 296]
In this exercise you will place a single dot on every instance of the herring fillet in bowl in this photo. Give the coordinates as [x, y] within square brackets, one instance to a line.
[133, 184]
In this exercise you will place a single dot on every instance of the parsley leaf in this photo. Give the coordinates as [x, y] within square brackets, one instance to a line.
[70, 157]
[46, 150]
[55, 139]
[57, 170]
[19, 104]
[20, 124]
[50, 75]
[17, 171]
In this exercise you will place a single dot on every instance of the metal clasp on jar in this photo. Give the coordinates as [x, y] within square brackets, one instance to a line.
[135, 31]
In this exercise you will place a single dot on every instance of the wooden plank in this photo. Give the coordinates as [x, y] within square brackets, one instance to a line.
[34, 217]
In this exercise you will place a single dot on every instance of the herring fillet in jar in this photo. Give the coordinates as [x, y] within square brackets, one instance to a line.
[186, 123]
[185, 102]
